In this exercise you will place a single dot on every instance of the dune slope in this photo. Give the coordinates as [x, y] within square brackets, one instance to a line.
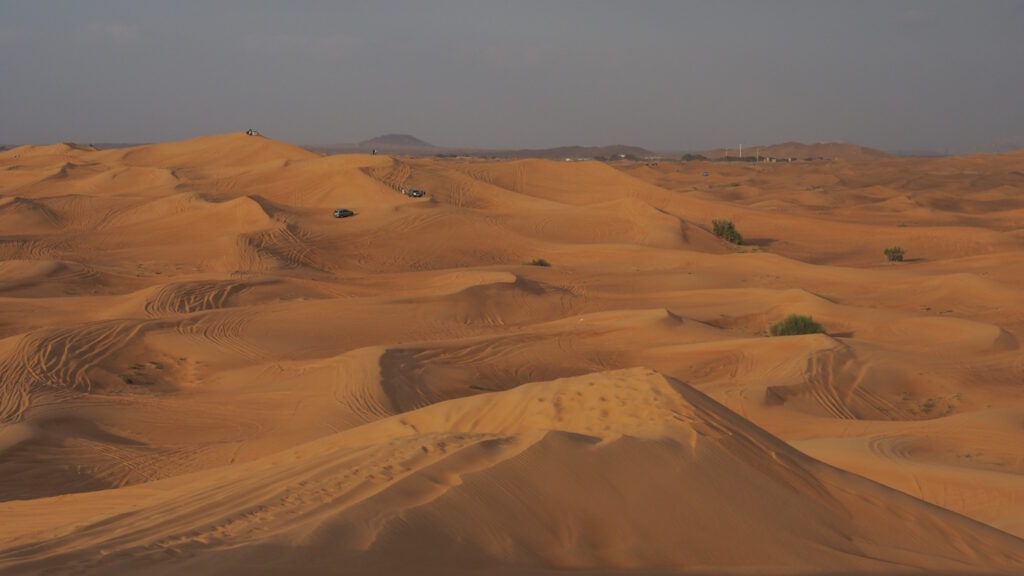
[613, 471]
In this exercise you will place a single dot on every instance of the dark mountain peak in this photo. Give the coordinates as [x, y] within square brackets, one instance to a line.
[404, 140]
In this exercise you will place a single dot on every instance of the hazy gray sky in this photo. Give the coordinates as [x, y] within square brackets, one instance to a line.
[665, 75]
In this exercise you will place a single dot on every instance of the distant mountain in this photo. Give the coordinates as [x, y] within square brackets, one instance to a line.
[400, 144]
[405, 144]
[396, 141]
[109, 145]
[801, 151]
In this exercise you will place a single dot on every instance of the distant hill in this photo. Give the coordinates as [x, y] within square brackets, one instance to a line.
[801, 151]
[406, 144]
[401, 144]
[91, 145]
[109, 145]
[396, 141]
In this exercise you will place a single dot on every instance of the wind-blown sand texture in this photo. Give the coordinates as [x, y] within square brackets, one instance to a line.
[203, 372]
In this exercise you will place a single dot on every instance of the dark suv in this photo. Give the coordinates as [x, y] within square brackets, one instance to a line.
[343, 213]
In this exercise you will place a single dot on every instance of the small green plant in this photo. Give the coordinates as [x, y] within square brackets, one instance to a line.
[725, 230]
[795, 324]
[894, 254]
[539, 262]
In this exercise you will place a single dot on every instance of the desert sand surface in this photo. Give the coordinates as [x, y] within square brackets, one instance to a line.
[203, 372]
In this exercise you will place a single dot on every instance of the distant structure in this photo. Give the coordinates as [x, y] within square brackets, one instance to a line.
[252, 132]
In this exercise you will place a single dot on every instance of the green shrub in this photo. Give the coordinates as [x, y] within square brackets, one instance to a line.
[795, 324]
[725, 230]
[894, 254]
[539, 262]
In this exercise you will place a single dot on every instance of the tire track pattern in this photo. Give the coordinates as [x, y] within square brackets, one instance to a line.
[224, 329]
[835, 380]
[396, 176]
[283, 247]
[190, 297]
[58, 360]
[24, 248]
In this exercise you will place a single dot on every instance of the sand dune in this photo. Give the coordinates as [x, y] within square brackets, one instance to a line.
[655, 467]
[201, 370]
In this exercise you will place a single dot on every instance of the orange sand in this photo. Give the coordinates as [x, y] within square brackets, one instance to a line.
[203, 372]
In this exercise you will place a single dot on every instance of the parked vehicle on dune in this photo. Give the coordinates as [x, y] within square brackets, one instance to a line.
[343, 213]
[416, 193]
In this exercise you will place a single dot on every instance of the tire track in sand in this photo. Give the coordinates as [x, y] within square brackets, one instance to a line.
[224, 329]
[58, 360]
[190, 297]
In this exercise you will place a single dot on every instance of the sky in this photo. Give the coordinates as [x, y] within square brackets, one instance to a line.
[901, 76]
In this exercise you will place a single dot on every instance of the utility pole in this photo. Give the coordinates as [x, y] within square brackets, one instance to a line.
[741, 151]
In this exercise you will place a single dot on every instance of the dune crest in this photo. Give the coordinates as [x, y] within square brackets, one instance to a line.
[484, 479]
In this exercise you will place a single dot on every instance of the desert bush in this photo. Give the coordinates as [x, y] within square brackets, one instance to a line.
[894, 254]
[539, 262]
[725, 230]
[795, 324]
